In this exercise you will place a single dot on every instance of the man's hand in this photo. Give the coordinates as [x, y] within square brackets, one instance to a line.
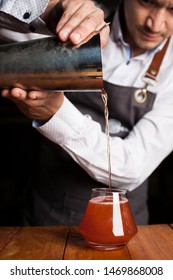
[75, 20]
[38, 105]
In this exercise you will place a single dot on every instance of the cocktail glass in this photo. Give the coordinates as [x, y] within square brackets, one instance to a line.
[108, 223]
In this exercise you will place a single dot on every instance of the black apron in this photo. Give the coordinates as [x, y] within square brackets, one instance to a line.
[59, 188]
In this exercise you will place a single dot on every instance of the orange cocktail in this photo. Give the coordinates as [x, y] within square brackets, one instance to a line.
[108, 223]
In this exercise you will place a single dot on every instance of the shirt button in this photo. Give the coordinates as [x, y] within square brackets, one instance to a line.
[26, 15]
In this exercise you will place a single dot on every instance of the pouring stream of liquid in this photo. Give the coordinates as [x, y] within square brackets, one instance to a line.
[106, 114]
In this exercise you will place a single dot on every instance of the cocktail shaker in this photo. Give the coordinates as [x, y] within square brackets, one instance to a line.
[50, 64]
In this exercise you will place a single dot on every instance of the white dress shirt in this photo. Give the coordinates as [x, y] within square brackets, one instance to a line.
[134, 158]
[151, 140]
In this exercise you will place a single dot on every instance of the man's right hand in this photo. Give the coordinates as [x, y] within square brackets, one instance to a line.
[75, 20]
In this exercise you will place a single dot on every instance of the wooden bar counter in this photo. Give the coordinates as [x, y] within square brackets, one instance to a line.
[152, 242]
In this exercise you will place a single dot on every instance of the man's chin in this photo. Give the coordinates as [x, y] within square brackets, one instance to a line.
[148, 46]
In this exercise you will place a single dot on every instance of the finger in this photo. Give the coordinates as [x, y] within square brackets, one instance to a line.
[41, 95]
[104, 36]
[86, 29]
[18, 93]
[79, 24]
[5, 93]
[15, 93]
[35, 95]
[69, 9]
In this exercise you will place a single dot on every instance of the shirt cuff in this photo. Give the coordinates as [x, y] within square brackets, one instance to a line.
[27, 11]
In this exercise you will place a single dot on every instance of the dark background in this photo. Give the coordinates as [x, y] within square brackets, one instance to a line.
[22, 148]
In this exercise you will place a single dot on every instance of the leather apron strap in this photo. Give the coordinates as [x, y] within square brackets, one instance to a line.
[151, 74]
[154, 67]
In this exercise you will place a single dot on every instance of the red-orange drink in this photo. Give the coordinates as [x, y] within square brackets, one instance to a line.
[99, 227]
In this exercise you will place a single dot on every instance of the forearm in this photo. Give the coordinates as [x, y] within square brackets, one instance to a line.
[83, 139]
[132, 159]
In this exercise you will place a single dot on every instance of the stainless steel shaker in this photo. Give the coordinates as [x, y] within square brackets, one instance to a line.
[49, 64]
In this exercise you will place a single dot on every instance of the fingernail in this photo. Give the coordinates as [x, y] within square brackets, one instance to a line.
[4, 93]
[64, 35]
[76, 37]
[18, 94]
